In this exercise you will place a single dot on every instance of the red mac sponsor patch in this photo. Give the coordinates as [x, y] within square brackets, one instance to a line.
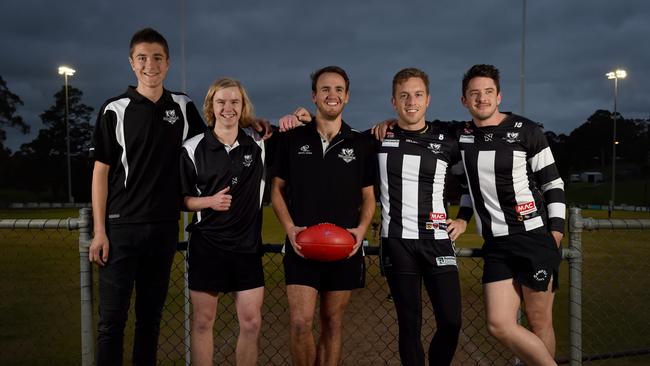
[526, 208]
[437, 216]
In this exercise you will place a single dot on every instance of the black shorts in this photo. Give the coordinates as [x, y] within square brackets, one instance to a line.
[211, 269]
[531, 259]
[343, 275]
[417, 256]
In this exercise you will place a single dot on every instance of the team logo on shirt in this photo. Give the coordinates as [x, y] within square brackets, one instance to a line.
[234, 181]
[347, 155]
[170, 116]
[248, 160]
[488, 136]
[512, 137]
[304, 150]
[435, 148]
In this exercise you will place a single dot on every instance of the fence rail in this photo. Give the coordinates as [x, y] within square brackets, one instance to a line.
[37, 271]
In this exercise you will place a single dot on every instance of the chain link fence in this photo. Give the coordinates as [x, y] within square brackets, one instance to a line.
[615, 315]
[41, 312]
[39, 293]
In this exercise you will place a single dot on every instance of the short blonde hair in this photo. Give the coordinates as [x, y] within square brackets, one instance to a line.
[247, 113]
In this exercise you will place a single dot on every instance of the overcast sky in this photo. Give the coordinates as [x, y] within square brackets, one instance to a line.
[273, 46]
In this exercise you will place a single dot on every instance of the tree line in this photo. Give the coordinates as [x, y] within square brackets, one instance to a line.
[37, 171]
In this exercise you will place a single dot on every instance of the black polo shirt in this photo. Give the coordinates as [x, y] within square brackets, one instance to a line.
[207, 168]
[325, 186]
[141, 142]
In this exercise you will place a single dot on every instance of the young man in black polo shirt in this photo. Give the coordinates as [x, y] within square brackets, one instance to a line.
[136, 199]
[325, 173]
[222, 180]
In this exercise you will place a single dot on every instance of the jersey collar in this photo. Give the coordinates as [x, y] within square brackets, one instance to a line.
[345, 131]
[215, 144]
[132, 93]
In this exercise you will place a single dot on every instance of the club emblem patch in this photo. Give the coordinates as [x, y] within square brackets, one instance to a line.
[170, 116]
[512, 137]
[347, 155]
[248, 160]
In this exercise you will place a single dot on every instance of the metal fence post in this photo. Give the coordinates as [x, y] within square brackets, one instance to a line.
[186, 293]
[86, 285]
[575, 285]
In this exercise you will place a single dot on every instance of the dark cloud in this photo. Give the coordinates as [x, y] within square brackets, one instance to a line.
[273, 46]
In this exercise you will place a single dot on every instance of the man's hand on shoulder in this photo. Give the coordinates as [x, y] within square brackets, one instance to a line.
[263, 127]
[380, 129]
[298, 118]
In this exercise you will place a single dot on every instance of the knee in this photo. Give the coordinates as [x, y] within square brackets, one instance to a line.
[498, 329]
[110, 328]
[539, 321]
[203, 323]
[449, 325]
[250, 324]
[301, 325]
[333, 322]
[111, 322]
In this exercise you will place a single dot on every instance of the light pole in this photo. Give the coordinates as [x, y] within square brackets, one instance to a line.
[617, 74]
[67, 71]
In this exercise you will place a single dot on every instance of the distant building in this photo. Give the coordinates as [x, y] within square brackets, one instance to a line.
[590, 177]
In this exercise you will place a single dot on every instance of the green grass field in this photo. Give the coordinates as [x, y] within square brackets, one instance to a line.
[40, 307]
[634, 192]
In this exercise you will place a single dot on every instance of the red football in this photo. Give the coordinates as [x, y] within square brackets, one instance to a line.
[325, 242]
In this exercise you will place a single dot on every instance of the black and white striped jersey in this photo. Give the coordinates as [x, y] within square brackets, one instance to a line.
[208, 166]
[141, 142]
[413, 167]
[513, 180]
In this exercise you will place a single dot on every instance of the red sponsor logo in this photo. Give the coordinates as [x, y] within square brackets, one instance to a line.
[526, 208]
[437, 216]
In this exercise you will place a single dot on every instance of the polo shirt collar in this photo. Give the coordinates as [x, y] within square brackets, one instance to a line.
[214, 143]
[345, 132]
[132, 93]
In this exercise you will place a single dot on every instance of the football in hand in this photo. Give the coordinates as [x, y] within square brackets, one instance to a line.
[325, 242]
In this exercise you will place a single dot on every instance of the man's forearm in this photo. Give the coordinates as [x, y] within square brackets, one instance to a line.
[99, 196]
[368, 206]
[279, 204]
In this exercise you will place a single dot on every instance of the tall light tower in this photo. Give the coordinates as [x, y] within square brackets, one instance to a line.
[67, 71]
[615, 75]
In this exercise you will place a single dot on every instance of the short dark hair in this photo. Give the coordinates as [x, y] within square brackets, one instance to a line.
[334, 69]
[148, 35]
[482, 70]
[410, 72]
